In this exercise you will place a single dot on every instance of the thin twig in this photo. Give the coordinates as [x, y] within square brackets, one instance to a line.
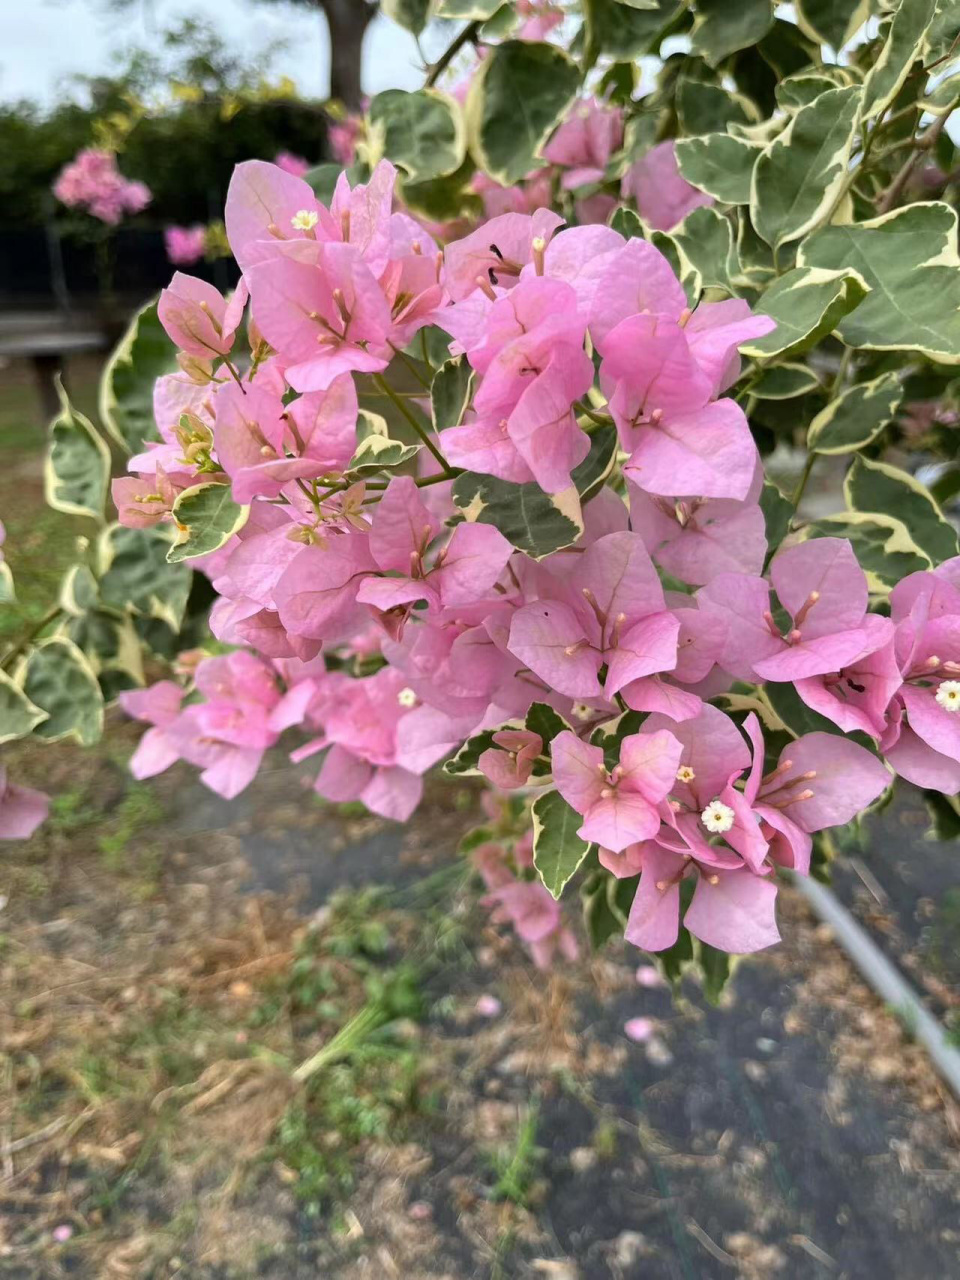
[469, 32]
[418, 428]
[804, 477]
[926, 142]
[31, 1139]
[30, 635]
[410, 365]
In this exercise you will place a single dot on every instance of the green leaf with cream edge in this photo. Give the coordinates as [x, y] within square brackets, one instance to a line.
[77, 466]
[831, 22]
[450, 393]
[557, 849]
[515, 101]
[413, 15]
[857, 417]
[206, 517]
[909, 259]
[18, 715]
[876, 487]
[906, 42]
[722, 27]
[136, 576]
[807, 304]
[56, 677]
[718, 164]
[422, 133]
[705, 239]
[144, 354]
[380, 453]
[798, 176]
[533, 521]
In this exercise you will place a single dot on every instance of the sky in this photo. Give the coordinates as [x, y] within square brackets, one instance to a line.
[46, 42]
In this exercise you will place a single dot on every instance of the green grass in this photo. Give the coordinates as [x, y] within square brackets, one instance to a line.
[138, 809]
[516, 1166]
[22, 425]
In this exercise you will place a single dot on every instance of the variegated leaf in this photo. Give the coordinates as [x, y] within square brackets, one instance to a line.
[557, 849]
[18, 715]
[798, 176]
[856, 417]
[515, 101]
[422, 133]
[807, 304]
[719, 164]
[705, 238]
[721, 27]
[785, 382]
[77, 465]
[831, 22]
[906, 41]
[206, 517]
[143, 354]
[877, 487]
[58, 679]
[909, 259]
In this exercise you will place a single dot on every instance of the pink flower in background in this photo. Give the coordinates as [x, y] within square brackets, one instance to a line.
[585, 142]
[537, 918]
[639, 1030]
[22, 809]
[290, 163]
[92, 182]
[663, 198]
[244, 711]
[185, 244]
[342, 138]
[539, 18]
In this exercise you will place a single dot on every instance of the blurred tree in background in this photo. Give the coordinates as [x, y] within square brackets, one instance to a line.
[347, 22]
[181, 114]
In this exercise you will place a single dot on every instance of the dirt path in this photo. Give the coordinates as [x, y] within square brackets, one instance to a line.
[160, 976]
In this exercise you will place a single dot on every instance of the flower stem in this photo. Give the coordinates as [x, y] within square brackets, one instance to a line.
[601, 419]
[805, 476]
[417, 426]
[411, 366]
[29, 636]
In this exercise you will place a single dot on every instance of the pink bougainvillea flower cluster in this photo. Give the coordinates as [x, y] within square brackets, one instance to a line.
[92, 182]
[662, 195]
[393, 627]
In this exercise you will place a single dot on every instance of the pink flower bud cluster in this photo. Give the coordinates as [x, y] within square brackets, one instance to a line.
[92, 182]
[393, 630]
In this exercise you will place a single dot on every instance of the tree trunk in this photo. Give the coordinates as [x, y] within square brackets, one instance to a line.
[348, 21]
